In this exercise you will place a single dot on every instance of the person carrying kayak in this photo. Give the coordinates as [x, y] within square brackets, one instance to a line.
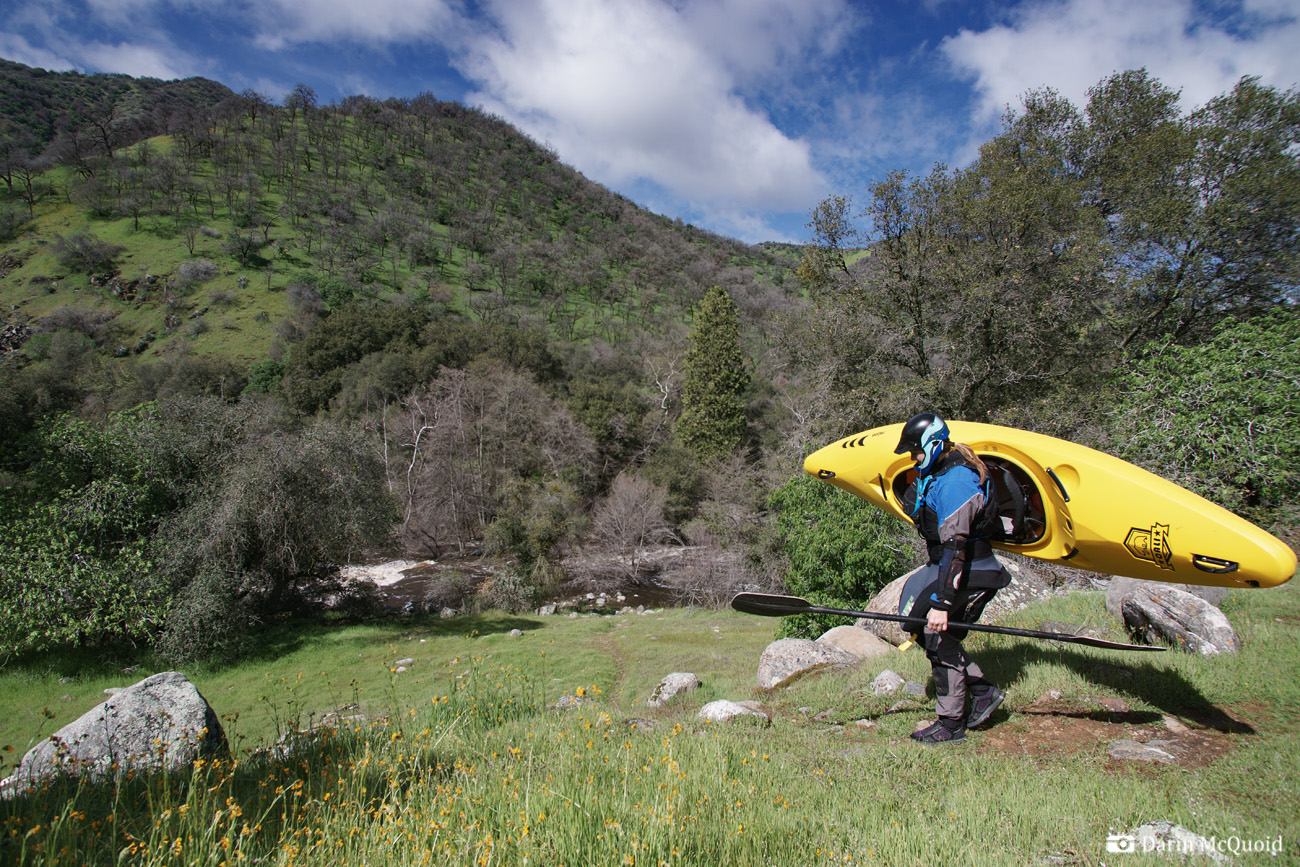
[948, 503]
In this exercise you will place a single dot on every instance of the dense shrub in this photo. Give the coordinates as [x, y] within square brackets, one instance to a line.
[95, 324]
[1220, 418]
[264, 376]
[206, 620]
[839, 549]
[85, 252]
[77, 568]
[11, 222]
[676, 469]
[181, 523]
[285, 505]
[191, 274]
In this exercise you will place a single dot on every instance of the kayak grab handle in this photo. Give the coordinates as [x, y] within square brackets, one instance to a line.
[1059, 485]
[1213, 565]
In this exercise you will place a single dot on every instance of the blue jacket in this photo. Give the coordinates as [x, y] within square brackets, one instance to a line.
[951, 501]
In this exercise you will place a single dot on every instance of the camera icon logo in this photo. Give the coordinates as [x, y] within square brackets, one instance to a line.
[1121, 843]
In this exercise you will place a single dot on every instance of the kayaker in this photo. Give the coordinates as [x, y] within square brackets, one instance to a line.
[948, 507]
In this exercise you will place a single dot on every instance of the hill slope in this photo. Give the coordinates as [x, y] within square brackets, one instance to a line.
[37, 106]
[184, 244]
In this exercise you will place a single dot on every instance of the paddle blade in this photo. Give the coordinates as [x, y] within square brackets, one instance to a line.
[769, 604]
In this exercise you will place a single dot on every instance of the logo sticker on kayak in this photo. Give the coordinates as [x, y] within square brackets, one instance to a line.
[1151, 545]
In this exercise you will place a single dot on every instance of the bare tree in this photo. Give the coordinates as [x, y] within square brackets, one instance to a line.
[630, 518]
[464, 436]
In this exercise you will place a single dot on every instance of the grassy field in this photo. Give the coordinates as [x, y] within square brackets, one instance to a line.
[461, 759]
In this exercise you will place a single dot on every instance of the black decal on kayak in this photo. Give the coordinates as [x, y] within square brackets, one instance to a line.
[1151, 545]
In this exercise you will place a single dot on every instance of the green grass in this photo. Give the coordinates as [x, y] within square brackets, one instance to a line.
[461, 759]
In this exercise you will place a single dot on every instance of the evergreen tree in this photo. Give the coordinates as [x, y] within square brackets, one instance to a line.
[713, 394]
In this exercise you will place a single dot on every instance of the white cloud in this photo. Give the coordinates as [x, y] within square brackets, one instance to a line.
[631, 90]
[764, 39]
[287, 22]
[140, 61]
[14, 47]
[1071, 45]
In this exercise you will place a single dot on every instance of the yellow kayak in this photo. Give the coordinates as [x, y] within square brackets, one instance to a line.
[1086, 509]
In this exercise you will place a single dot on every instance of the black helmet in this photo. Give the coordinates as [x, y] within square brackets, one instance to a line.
[925, 433]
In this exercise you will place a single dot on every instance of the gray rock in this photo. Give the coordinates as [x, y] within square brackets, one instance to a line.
[914, 688]
[162, 722]
[1176, 616]
[726, 711]
[887, 683]
[675, 684]
[857, 641]
[886, 602]
[1121, 587]
[788, 658]
[516, 633]
[1134, 751]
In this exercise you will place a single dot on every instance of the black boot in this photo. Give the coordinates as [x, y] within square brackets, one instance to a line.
[982, 707]
[945, 731]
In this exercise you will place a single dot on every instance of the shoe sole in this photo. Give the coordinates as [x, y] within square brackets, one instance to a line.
[976, 722]
[960, 740]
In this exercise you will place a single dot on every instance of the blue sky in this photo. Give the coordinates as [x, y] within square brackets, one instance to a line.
[736, 115]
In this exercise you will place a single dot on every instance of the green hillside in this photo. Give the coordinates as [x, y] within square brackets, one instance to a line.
[39, 107]
[185, 244]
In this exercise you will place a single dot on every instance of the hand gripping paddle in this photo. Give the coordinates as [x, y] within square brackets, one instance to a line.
[771, 605]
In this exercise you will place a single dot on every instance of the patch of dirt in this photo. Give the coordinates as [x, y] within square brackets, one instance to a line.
[1056, 730]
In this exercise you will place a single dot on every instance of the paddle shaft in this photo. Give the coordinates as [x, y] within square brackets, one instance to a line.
[771, 605]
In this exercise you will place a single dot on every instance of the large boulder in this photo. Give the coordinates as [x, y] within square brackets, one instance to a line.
[886, 602]
[1121, 586]
[786, 658]
[162, 722]
[856, 640]
[1178, 617]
